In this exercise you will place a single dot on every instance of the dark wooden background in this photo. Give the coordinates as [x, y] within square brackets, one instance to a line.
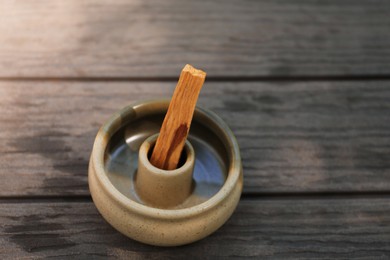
[304, 85]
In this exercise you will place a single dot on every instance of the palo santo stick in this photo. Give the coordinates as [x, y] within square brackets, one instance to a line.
[177, 121]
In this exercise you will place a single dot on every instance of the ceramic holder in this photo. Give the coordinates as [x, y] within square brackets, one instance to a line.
[161, 188]
[122, 194]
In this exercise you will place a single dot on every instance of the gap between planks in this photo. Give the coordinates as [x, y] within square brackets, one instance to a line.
[246, 196]
[297, 78]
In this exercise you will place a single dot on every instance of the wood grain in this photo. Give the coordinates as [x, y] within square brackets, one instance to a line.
[294, 137]
[177, 122]
[131, 38]
[305, 229]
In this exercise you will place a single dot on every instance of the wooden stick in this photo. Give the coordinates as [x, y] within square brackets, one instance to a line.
[177, 121]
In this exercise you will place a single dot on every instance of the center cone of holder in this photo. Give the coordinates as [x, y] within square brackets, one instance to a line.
[164, 188]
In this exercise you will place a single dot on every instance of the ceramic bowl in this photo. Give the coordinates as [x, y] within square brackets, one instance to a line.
[216, 186]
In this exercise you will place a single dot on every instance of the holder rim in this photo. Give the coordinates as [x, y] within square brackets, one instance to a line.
[138, 109]
[185, 166]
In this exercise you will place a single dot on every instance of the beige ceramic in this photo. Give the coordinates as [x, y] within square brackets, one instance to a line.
[161, 188]
[137, 215]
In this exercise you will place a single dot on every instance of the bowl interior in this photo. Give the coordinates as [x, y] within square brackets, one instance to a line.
[211, 164]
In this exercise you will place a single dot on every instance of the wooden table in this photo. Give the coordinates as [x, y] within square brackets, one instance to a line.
[304, 85]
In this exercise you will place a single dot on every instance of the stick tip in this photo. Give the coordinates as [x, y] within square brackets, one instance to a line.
[195, 72]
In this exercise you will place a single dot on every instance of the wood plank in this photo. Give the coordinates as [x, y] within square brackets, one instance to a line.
[308, 228]
[294, 137]
[230, 38]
